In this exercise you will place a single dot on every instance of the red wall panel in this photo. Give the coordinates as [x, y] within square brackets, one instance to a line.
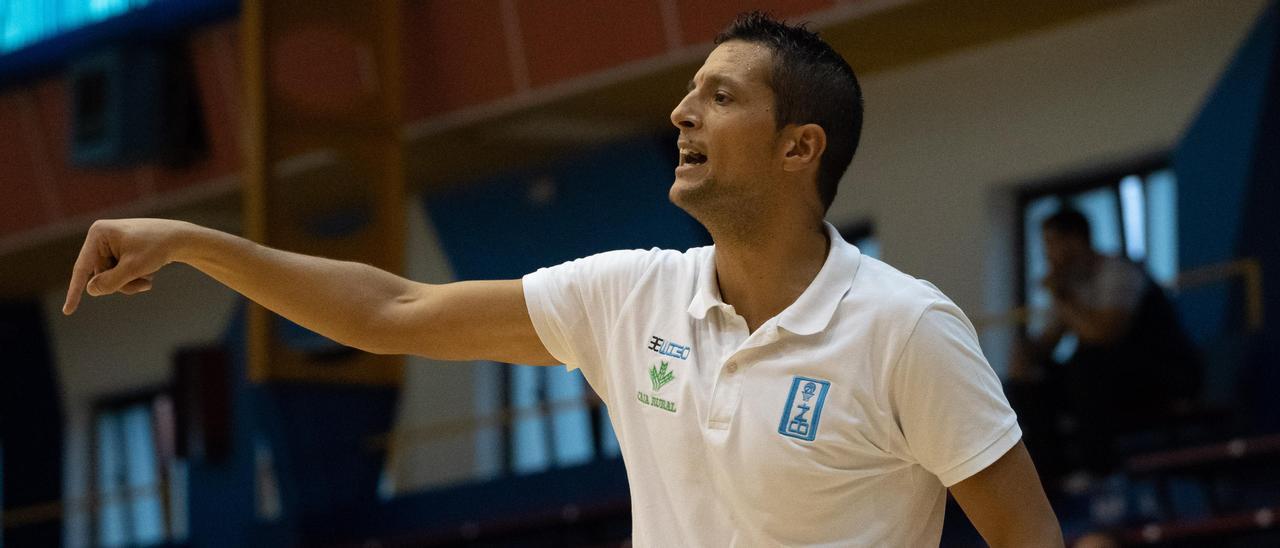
[21, 205]
[215, 58]
[80, 191]
[702, 20]
[568, 38]
[455, 55]
[315, 69]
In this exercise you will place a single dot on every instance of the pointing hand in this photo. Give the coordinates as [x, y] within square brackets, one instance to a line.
[120, 256]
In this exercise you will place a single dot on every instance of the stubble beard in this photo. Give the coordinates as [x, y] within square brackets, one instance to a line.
[725, 216]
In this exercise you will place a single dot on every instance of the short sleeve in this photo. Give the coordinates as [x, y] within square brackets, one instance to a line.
[949, 405]
[574, 305]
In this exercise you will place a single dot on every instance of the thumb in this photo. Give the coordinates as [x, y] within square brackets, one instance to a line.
[110, 281]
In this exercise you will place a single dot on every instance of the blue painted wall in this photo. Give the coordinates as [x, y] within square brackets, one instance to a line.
[612, 197]
[317, 436]
[1260, 237]
[1215, 164]
[1228, 167]
[221, 502]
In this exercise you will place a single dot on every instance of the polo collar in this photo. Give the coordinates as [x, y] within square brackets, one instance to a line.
[814, 309]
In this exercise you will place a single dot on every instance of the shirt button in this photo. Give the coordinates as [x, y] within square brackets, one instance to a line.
[733, 368]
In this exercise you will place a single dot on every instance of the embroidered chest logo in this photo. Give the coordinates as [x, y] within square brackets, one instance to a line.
[659, 376]
[804, 408]
[668, 348]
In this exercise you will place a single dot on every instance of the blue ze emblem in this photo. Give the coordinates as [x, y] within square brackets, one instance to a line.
[804, 408]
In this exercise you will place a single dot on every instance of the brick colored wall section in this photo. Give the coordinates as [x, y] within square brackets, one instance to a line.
[460, 54]
[39, 185]
[456, 53]
[78, 191]
[701, 21]
[21, 205]
[215, 56]
[567, 38]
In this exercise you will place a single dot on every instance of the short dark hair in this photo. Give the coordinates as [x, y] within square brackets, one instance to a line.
[1068, 221]
[812, 84]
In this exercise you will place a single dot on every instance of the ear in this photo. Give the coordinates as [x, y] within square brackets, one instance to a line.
[803, 146]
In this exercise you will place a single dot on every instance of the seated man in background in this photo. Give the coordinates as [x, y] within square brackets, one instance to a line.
[1133, 365]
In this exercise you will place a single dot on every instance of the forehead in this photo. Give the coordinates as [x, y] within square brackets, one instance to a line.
[746, 63]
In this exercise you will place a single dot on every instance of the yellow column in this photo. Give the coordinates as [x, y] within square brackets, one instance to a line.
[324, 163]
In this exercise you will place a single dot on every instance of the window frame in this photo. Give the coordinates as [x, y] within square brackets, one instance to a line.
[1066, 186]
[546, 409]
[117, 403]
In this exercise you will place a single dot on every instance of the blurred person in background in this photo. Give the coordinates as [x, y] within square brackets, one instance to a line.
[1133, 367]
[776, 388]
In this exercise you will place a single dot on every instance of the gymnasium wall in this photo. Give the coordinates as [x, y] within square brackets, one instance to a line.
[31, 423]
[119, 344]
[1219, 162]
[437, 391]
[1228, 171]
[948, 142]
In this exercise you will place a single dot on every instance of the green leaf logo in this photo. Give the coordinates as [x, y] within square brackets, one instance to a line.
[660, 377]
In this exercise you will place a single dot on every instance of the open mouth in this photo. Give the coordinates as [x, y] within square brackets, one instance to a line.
[690, 157]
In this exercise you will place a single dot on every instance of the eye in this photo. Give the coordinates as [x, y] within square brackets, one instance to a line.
[721, 98]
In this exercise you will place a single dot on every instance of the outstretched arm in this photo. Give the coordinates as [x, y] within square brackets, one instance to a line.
[352, 303]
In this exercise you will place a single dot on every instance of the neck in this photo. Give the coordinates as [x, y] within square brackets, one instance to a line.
[762, 271]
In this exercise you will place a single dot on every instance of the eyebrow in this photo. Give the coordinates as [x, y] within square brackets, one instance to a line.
[713, 79]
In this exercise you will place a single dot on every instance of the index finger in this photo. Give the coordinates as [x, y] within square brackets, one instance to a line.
[80, 274]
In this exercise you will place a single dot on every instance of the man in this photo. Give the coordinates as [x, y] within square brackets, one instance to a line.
[1133, 365]
[1094, 295]
[777, 388]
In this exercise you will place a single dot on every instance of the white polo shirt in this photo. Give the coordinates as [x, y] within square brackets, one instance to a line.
[837, 423]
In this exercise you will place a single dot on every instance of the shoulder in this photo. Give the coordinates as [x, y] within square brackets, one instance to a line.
[889, 313]
[625, 262]
[614, 276]
[891, 295]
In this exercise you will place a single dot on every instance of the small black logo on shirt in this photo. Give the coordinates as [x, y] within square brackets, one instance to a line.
[668, 348]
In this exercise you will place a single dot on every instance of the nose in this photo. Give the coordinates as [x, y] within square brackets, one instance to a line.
[684, 115]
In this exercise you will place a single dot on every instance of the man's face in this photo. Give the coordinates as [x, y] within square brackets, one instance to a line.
[1064, 250]
[728, 135]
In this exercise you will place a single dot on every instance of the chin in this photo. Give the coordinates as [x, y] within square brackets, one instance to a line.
[699, 198]
[685, 193]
